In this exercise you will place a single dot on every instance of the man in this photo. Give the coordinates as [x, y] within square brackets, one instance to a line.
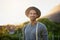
[34, 30]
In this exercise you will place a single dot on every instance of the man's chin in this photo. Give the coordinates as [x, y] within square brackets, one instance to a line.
[32, 19]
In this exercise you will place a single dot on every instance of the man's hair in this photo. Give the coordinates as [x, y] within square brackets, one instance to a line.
[33, 8]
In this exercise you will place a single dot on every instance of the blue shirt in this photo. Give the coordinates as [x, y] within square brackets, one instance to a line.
[30, 32]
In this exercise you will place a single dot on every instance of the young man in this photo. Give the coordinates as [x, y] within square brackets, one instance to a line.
[34, 30]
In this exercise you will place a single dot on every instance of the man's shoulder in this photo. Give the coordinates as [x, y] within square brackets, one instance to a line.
[41, 25]
[26, 24]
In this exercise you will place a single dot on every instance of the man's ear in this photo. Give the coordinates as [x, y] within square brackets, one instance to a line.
[27, 15]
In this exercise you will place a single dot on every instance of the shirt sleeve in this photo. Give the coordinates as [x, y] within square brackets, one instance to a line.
[44, 33]
[23, 32]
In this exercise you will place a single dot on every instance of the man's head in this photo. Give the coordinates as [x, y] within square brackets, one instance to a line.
[33, 13]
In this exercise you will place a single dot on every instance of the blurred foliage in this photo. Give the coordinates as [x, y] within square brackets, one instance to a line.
[52, 27]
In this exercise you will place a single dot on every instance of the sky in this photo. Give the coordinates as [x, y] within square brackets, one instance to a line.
[13, 11]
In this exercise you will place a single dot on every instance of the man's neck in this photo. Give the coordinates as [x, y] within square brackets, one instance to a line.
[33, 22]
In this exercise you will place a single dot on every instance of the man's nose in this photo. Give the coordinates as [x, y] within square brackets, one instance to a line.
[32, 14]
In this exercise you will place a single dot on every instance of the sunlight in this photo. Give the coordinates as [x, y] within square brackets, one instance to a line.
[13, 11]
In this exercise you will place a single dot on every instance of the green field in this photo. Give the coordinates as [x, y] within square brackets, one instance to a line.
[52, 27]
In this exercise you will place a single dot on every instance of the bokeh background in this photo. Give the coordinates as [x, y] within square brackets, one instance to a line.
[13, 19]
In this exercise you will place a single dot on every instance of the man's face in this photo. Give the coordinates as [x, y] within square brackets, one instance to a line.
[32, 15]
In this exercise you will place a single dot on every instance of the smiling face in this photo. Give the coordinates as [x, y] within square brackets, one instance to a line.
[32, 15]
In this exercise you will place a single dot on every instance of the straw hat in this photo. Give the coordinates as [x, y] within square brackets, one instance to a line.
[33, 8]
